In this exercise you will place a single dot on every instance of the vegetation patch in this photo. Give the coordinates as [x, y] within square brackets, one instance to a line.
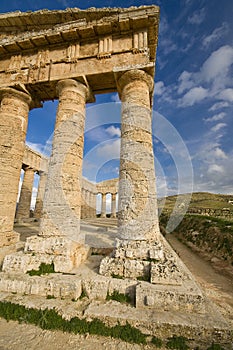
[177, 343]
[120, 297]
[43, 269]
[157, 342]
[215, 347]
[49, 319]
[50, 297]
[83, 295]
[145, 278]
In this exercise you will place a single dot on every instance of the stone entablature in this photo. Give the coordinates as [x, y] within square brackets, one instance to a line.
[34, 160]
[108, 186]
[39, 49]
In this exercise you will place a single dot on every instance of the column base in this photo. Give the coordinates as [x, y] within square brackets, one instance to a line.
[62, 252]
[154, 262]
[171, 285]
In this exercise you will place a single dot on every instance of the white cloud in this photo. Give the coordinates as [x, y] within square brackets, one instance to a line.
[185, 82]
[115, 98]
[215, 35]
[218, 105]
[197, 17]
[110, 150]
[194, 95]
[215, 72]
[219, 153]
[42, 149]
[215, 117]
[226, 95]
[218, 126]
[217, 64]
[159, 88]
[215, 168]
[113, 131]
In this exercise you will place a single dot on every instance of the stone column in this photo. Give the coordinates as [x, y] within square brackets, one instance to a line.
[60, 240]
[23, 210]
[86, 203]
[113, 206]
[40, 195]
[103, 206]
[13, 127]
[137, 214]
[93, 201]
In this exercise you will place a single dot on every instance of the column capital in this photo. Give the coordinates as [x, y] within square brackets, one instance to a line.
[135, 75]
[74, 85]
[22, 94]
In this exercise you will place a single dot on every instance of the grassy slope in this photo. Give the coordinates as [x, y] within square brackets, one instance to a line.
[200, 200]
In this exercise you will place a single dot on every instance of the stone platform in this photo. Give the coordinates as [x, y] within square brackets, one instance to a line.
[199, 321]
[156, 308]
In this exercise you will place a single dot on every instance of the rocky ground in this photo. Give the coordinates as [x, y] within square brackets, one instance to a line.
[216, 284]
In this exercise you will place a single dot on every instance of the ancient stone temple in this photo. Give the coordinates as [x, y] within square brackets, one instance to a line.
[71, 56]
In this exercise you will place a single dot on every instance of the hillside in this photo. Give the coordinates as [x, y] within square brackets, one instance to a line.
[199, 200]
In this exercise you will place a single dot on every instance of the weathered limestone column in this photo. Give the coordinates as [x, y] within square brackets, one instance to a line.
[93, 201]
[89, 204]
[23, 210]
[137, 214]
[113, 206]
[103, 206]
[40, 195]
[62, 201]
[14, 110]
[60, 241]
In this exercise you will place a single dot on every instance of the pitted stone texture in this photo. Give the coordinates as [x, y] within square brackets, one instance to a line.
[143, 250]
[13, 126]
[56, 285]
[138, 214]
[96, 288]
[61, 210]
[187, 298]
[65, 255]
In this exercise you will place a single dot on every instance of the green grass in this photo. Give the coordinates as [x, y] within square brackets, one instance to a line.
[177, 343]
[157, 342]
[121, 298]
[43, 269]
[215, 347]
[49, 319]
[50, 297]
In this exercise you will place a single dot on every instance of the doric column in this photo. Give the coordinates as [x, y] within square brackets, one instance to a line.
[13, 127]
[138, 213]
[113, 206]
[40, 195]
[23, 210]
[103, 206]
[59, 240]
[87, 203]
[62, 201]
[138, 227]
[93, 201]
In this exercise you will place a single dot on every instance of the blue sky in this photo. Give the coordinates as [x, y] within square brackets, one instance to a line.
[193, 100]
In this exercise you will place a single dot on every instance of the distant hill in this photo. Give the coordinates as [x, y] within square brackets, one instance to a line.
[199, 200]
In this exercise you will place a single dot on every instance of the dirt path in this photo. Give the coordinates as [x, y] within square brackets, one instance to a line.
[217, 285]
